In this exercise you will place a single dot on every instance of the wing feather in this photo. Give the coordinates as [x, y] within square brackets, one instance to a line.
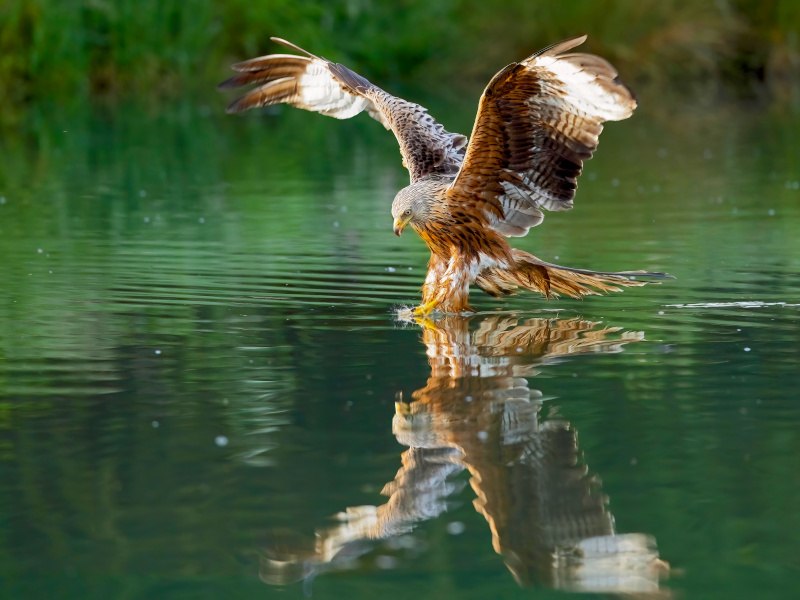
[537, 121]
[319, 85]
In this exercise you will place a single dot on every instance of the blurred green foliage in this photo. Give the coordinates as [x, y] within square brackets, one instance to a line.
[82, 48]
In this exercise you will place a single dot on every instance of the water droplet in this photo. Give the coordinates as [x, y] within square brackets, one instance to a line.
[221, 441]
[201, 220]
[157, 352]
[483, 435]
[39, 251]
[771, 212]
[661, 312]
[456, 528]
[406, 541]
[155, 424]
[747, 348]
[142, 193]
[467, 398]
[2, 199]
[336, 223]
[385, 562]
[146, 219]
[390, 269]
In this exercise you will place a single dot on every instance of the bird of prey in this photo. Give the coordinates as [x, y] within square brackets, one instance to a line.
[537, 121]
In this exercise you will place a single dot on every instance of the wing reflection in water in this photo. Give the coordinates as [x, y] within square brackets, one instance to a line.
[548, 516]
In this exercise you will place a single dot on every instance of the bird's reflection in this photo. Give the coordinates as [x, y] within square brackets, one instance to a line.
[547, 514]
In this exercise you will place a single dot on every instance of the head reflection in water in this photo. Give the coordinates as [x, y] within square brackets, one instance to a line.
[547, 515]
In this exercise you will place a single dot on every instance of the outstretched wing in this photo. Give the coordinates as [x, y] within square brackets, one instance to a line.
[537, 121]
[319, 85]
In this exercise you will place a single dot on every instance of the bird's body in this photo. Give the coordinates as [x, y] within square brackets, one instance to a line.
[536, 123]
[461, 247]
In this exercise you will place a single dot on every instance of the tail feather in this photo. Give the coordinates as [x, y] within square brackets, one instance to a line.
[551, 280]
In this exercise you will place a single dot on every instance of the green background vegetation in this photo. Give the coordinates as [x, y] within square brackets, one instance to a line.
[75, 49]
[173, 273]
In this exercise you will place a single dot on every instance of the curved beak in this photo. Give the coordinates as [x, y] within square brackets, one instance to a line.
[399, 225]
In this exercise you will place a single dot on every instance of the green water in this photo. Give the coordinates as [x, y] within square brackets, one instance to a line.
[200, 368]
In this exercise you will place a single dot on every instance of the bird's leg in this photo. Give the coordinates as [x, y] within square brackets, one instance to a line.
[432, 288]
[426, 308]
[447, 290]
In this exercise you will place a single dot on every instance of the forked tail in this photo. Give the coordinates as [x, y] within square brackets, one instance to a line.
[530, 273]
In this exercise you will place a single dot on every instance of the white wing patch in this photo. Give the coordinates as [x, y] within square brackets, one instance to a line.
[581, 90]
[319, 92]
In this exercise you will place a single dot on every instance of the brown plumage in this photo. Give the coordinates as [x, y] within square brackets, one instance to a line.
[546, 511]
[537, 121]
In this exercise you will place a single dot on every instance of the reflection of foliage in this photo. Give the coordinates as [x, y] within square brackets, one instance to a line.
[546, 513]
[124, 223]
[62, 47]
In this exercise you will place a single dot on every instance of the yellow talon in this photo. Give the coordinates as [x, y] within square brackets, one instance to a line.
[425, 309]
[426, 323]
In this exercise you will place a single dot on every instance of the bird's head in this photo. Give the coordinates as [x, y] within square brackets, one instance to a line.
[409, 207]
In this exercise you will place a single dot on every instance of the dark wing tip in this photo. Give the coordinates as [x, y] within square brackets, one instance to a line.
[229, 83]
[235, 107]
[562, 46]
[294, 47]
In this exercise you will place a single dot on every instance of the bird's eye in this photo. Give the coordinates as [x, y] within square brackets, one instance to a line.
[407, 212]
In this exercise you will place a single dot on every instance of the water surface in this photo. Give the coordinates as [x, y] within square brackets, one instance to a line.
[205, 392]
